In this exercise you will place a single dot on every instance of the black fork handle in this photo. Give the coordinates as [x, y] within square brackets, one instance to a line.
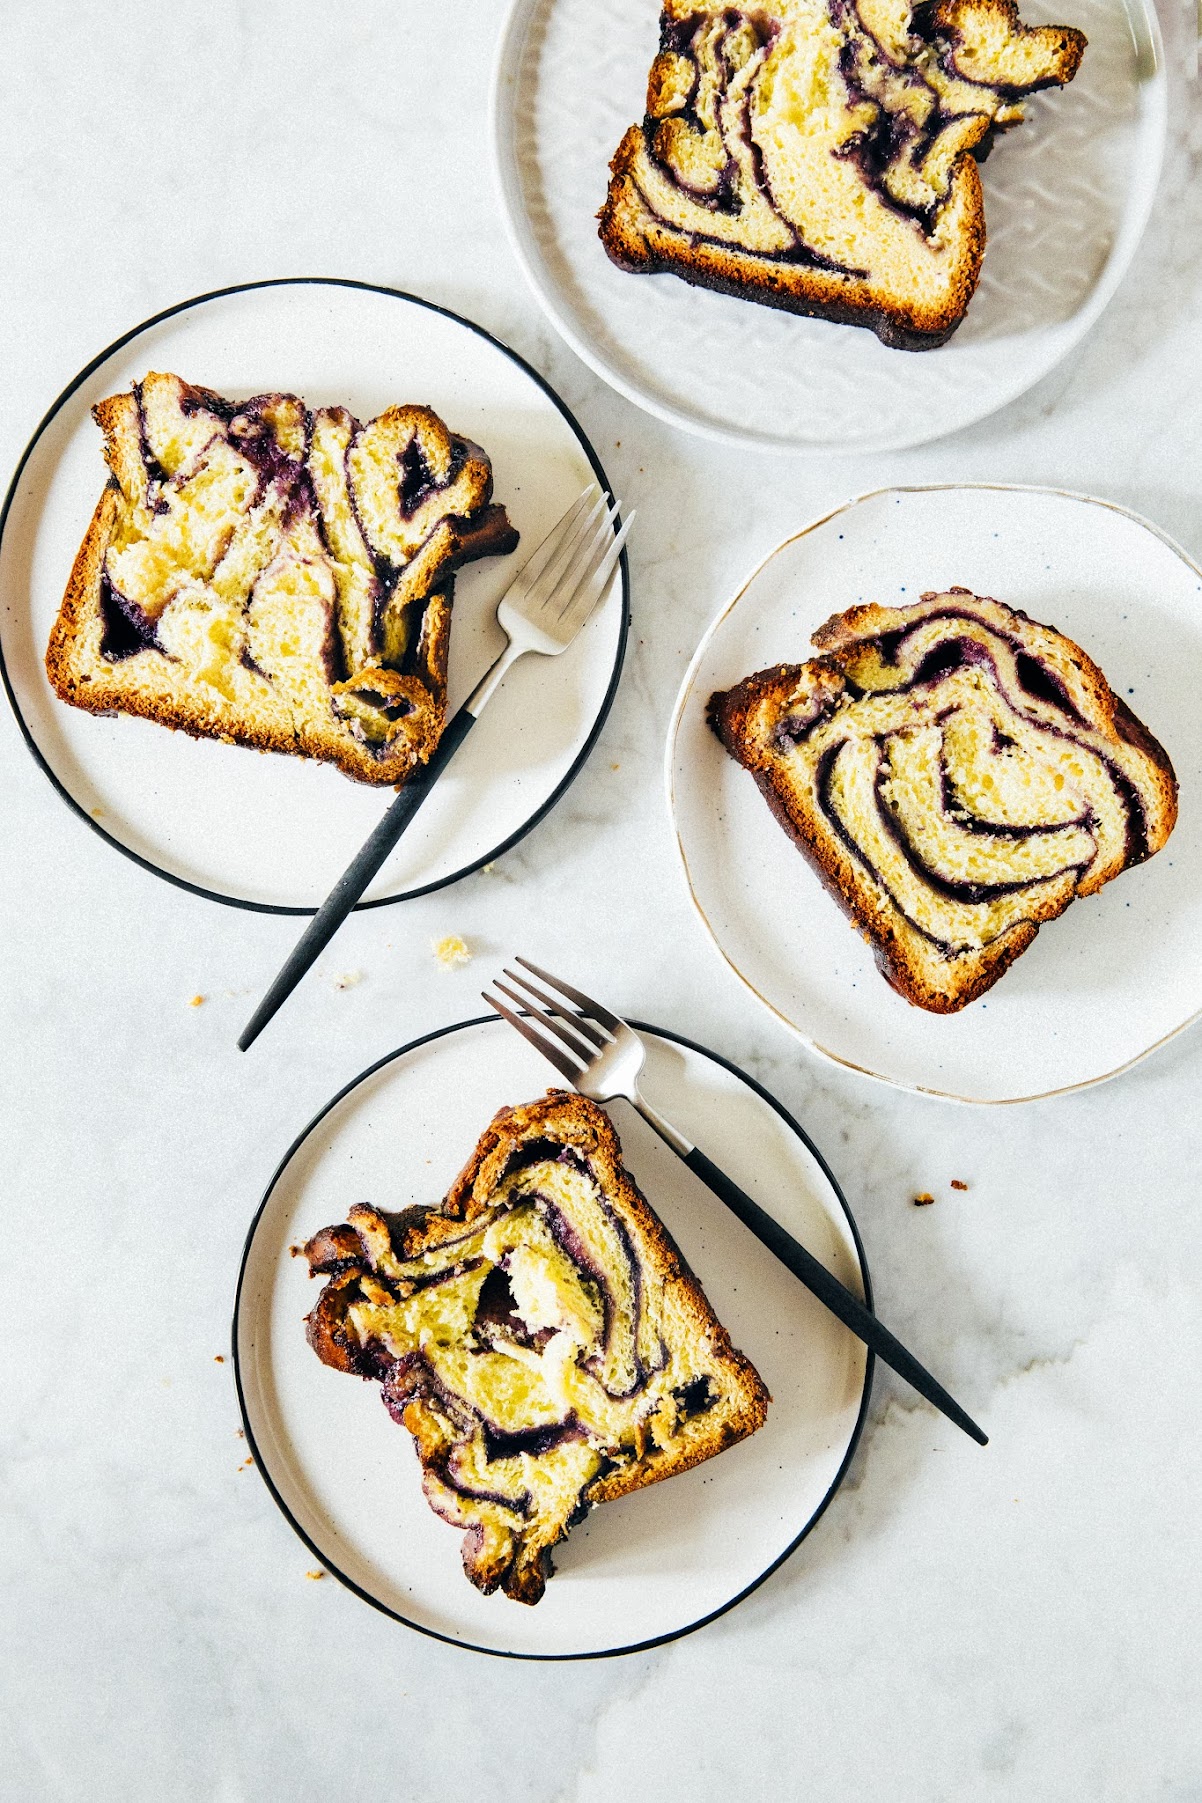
[358, 874]
[836, 1296]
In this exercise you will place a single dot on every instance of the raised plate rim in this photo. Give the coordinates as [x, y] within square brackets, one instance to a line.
[641, 1646]
[586, 445]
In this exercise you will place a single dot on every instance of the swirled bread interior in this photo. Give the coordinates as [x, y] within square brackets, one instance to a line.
[539, 1335]
[957, 774]
[821, 155]
[273, 576]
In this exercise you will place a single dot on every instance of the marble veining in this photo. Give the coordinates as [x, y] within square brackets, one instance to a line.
[1013, 1624]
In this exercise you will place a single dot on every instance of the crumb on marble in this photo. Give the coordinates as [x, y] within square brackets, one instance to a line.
[451, 951]
[315, 1574]
[923, 1199]
[958, 1183]
[348, 979]
[196, 1001]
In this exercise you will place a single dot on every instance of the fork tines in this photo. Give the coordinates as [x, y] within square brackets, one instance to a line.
[573, 1039]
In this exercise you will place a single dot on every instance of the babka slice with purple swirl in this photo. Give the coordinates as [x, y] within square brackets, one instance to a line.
[538, 1333]
[957, 774]
[821, 155]
[273, 576]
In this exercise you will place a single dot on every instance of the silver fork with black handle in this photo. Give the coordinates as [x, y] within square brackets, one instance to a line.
[603, 1057]
[542, 611]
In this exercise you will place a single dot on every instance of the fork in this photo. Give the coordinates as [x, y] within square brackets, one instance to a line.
[603, 1057]
[542, 611]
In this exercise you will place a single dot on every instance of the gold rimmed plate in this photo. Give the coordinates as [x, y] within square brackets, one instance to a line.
[1102, 986]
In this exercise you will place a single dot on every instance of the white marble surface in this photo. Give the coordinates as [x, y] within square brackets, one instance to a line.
[1020, 1623]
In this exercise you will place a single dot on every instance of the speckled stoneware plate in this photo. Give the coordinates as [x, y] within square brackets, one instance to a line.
[274, 832]
[655, 1564]
[1118, 973]
[1067, 195]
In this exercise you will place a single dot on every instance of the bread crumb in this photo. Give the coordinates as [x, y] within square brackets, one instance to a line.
[452, 951]
[197, 1001]
[97, 813]
[487, 869]
[315, 1575]
[219, 1358]
[615, 766]
[923, 1198]
[296, 1251]
[239, 1433]
[957, 1184]
[348, 979]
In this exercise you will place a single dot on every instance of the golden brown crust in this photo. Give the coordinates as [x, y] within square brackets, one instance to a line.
[736, 716]
[161, 689]
[640, 244]
[369, 1246]
[573, 1120]
[637, 240]
[729, 716]
[1060, 47]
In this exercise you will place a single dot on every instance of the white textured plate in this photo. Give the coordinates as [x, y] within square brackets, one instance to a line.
[274, 832]
[654, 1564]
[1067, 195]
[1118, 973]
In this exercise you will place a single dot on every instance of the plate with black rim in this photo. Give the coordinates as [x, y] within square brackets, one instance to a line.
[1101, 986]
[274, 832]
[658, 1563]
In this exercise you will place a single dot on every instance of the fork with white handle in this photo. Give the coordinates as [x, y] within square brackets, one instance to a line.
[542, 610]
[603, 1057]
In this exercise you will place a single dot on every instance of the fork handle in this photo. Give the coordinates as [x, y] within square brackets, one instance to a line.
[358, 874]
[840, 1300]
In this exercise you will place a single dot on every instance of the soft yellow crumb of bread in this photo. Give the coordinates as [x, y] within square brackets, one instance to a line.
[348, 979]
[315, 1574]
[451, 952]
[196, 1001]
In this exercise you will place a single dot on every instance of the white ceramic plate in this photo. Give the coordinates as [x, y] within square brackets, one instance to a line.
[274, 832]
[646, 1568]
[1067, 195]
[1118, 973]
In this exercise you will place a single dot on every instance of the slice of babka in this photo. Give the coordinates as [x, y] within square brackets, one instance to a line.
[821, 155]
[273, 576]
[538, 1333]
[957, 774]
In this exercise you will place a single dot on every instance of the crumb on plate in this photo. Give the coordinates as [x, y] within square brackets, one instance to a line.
[452, 951]
[219, 1358]
[196, 1001]
[348, 979]
[315, 1574]
[923, 1198]
[958, 1183]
